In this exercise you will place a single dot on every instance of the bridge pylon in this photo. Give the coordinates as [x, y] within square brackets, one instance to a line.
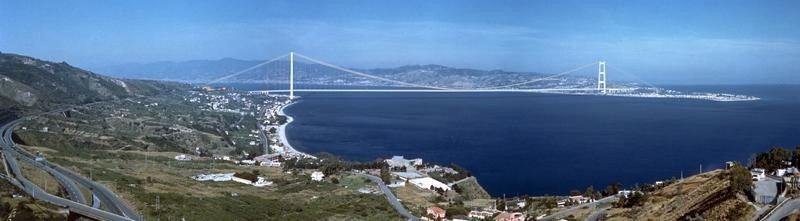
[601, 77]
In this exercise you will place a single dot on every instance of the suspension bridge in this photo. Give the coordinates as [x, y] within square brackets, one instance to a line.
[286, 74]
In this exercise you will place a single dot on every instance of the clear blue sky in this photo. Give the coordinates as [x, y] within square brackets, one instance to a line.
[692, 42]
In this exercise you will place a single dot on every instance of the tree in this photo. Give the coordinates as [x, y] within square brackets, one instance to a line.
[740, 179]
[772, 160]
[612, 189]
[589, 192]
[636, 198]
[385, 175]
[456, 210]
[501, 205]
[457, 188]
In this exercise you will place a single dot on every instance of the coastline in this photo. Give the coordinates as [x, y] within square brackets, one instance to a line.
[282, 133]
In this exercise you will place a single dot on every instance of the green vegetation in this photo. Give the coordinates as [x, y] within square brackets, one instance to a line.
[634, 199]
[740, 179]
[775, 158]
[106, 141]
[33, 82]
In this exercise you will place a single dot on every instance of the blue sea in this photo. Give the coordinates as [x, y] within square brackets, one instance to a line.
[537, 144]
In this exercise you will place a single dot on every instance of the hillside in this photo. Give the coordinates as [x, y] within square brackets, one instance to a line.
[26, 83]
[705, 196]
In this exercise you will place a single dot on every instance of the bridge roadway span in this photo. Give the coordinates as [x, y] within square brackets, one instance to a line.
[118, 209]
[412, 90]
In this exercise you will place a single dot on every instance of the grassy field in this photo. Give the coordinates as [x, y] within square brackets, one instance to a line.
[42, 179]
[24, 208]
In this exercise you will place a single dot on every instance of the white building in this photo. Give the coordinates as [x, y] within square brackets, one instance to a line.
[580, 199]
[219, 177]
[399, 161]
[396, 184]
[427, 183]
[479, 214]
[183, 157]
[317, 176]
[758, 174]
[261, 182]
[271, 163]
[407, 175]
[241, 180]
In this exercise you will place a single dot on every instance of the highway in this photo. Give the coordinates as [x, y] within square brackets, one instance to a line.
[73, 191]
[392, 198]
[783, 210]
[77, 202]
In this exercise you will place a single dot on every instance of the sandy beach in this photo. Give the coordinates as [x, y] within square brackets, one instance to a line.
[282, 134]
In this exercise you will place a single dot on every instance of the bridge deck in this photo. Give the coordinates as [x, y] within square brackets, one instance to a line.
[445, 91]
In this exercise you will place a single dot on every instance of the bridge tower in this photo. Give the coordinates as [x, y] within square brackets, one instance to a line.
[601, 77]
[291, 75]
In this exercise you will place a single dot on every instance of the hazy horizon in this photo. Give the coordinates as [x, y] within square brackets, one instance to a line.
[682, 42]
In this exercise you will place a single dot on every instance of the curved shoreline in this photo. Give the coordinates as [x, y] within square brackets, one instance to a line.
[282, 133]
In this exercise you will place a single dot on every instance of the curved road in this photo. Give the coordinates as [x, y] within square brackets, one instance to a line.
[392, 199]
[78, 204]
[73, 191]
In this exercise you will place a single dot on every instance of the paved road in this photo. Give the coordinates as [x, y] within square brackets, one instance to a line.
[564, 212]
[392, 199]
[73, 190]
[11, 153]
[36, 192]
[783, 210]
[460, 181]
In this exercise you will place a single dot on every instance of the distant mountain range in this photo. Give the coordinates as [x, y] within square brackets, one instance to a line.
[202, 71]
[27, 82]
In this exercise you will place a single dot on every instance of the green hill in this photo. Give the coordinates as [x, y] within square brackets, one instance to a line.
[29, 83]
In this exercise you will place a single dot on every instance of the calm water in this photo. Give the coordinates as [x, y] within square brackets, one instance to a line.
[526, 143]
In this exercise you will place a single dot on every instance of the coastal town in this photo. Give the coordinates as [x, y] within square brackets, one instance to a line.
[443, 181]
[446, 184]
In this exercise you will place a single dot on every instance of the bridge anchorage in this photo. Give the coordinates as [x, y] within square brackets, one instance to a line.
[318, 75]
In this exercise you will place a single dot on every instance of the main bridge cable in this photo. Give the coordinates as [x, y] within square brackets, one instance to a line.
[248, 69]
[633, 75]
[538, 79]
[390, 80]
[368, 75]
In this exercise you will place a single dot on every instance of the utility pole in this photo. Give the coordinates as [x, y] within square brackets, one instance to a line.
[158, 210]
[45, 183]
[145, 158]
